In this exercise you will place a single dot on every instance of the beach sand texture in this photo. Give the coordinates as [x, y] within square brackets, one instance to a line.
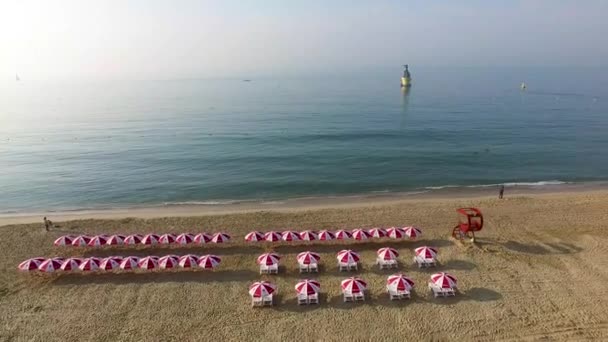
[538, 271]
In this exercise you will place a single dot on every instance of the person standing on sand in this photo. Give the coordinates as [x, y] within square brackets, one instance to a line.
[501, 192]
[47, 224]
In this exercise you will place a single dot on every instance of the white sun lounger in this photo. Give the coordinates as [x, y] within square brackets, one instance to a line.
[441, 292]
[313, 268]
[359, 296]
[302, 299]
[343, 266]
[386, 264]
[304, 268]
[262, 301]
[396, 295]
[269, 269]
[348, 297]
[313, 299]
[424, 262]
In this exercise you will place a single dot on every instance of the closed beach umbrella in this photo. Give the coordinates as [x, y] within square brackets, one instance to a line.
[426, 252]
[290, 236]
[71, 264]
[65, 240]
[387, 253]
[308, 287]
[395, 233]
[168, 261]
[209, 261]
[343, 234]
[412, 232]
[346, 256]
[148, 263]
[353, 285]
[129, 263]
[115, 240]
[202, 238]
[220, 238]
[31, 264]
[97, 240]
[376, 233]
[133, 239]
[272, 236]
[81, 241]
[184, 239]
[268, 259]
[261, 289]
[166, 239]
[188, 261]
[307, 258]
[326, 235]
[360, 234]
[150, 239]
[254, 236]
[399, 282]
[308, 235]
[50, 265]
[89, 264]
[444, 280]
[110, 263]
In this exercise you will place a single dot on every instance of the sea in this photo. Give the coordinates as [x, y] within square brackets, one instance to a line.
[90, 144]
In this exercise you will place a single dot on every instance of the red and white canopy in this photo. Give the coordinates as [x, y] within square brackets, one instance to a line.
[376, 233]
[308, 235]
[220, 238]
[353, 285]
[188, 261]
[71, 264]
[308, 287]
[115, 240]
[272, 236]
[168, 261]
[65, 240]
[166, 239]
[395, 233]
[346, 256]
[31, 264]
[268, 259]
[129, 263]
[97, 240]
[81, 241]
[387, 253]
[89, 264]
[444, 280]
[184, 239]
[426, 252]
[110, 263]
[202, 238]
[150, 239]
[50, 265]
[209, 261]
[254, 236]
[412, 232]
[343, 234]
[399, 282]
[290, 235]
[148, 263]
[307, 258]
[360, 234]
[133, 239]
[261, 289]
[326, 235]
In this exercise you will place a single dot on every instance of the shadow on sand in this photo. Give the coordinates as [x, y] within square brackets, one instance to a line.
[544, 249]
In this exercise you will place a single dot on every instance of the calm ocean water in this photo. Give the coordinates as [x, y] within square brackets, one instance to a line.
[112, 144]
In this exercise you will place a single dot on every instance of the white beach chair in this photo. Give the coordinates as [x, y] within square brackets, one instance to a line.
[304, 268]
[392, 294]
[348, 297]
[257, 301]
[359, 296]
[386, 264]
[353, 266]
[313, 268]
[424, 262]
[405, 294]
[313, 299]
[342, 266]
[269, 269]
[302, 299]
[441, 292]
[268, 300]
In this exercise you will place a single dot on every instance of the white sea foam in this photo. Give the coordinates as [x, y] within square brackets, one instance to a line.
[510, 184]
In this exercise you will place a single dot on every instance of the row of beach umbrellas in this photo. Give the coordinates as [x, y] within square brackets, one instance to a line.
[327, 235]
[112, 263]
[137, 239]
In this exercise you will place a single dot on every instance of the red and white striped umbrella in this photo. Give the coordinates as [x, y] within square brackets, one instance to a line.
[148, 263]
[412, 232]
[166, 239]
[115, 240]
[268, 259]
[343, 234]
[426, 252]
[220, 238]
[129, 263]
[184, 239]
[254, 236]
[202, 238]
[133, 239]
[168, 261]
[81, 241]
[353, 285]
[326, 235]
[308, 235]
[395, 233]
[209, 261]
[377, 232]
[261, 289]
[150, 239]
[399, 282]
[387, 253]
[188, 261]
[89, 264]
[50, 265]
[71, 264]
[347, 256]
[308, 287]
[307, 258]
[444, 280]
[65, 240]
[31, 264]
[97, 240]
[272, 236]
[110, 263]
[290, 235]
[360, 234]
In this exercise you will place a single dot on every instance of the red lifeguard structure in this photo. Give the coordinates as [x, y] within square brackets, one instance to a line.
[470, 220]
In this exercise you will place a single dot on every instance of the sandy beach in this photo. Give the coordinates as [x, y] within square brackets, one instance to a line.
[537, 272]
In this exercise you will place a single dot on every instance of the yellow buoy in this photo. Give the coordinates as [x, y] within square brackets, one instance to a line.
[406, 80]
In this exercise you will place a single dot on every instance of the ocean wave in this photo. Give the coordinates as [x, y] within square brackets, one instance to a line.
[510, 184]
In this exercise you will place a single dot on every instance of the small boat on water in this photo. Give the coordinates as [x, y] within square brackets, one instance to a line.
[523, 86]
[406, 79]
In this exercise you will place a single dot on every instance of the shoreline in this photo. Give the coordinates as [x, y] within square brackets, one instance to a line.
[302, 204]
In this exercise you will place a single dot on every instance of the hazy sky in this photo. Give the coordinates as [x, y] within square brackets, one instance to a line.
[145, 39]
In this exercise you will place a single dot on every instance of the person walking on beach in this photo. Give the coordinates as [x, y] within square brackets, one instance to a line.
[501, 192]
[47, 224]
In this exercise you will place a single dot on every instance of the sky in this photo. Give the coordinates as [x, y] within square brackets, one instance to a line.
[150, 39]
